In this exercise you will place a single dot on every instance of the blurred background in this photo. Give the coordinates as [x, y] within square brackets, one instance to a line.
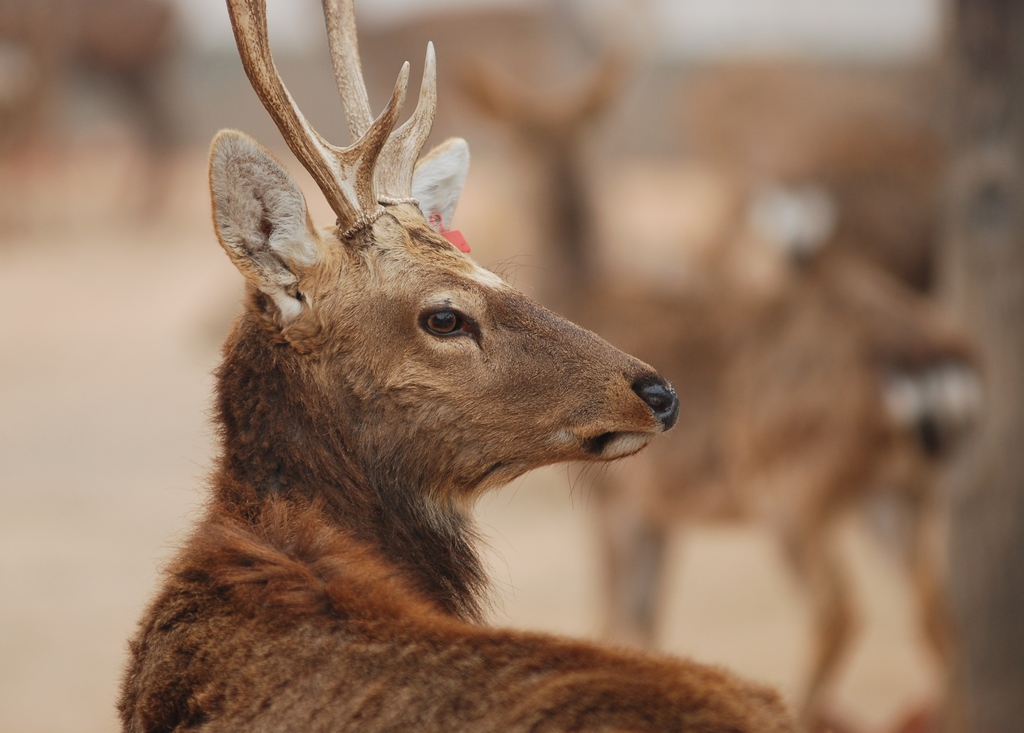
[804, 212]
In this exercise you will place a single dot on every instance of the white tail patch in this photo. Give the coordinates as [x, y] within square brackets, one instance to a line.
[798, 220]
[949, 394]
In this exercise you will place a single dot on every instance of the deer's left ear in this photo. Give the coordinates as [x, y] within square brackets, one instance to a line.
[438, 180]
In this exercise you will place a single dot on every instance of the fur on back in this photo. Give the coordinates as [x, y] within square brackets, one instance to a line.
[317, 632]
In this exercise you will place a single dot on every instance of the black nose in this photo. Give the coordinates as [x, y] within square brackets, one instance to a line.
[660, 397]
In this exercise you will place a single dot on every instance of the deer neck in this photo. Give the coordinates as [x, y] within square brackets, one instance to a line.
[274, 447]
[566, 214]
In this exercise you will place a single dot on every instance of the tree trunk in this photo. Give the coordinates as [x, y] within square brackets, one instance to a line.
[985, 275]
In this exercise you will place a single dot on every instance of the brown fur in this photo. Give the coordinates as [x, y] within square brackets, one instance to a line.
[332, 584]
[292, 621]
[333, 581]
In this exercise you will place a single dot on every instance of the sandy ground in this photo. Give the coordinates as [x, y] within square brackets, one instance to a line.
[109, 330]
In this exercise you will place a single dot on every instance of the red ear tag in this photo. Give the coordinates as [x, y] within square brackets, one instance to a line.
[452, 235]
[455, 237]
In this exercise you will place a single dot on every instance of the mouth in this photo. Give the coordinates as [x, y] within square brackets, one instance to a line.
[616, 444]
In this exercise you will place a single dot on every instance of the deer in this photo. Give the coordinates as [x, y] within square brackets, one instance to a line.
[377, 381]
[125, 43]
[872, 141]
[835, 386]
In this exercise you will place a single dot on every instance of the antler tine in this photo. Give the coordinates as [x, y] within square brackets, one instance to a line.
[340, 17]
[397, 160]
[548, 115]
[249, 23]
[370, 146]
[498, 97]
[345, 175]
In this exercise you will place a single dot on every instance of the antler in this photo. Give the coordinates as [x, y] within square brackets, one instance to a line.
[378, 164]
[547, 115]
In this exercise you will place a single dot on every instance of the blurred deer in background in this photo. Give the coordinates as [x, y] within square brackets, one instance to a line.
[555, 134]
[800, 402]
[126, 42]
[377, 382]
[872, 141]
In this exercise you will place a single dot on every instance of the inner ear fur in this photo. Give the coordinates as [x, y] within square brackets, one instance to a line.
[438, 180]
[261, 219]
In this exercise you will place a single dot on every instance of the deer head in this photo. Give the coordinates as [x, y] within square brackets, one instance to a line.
[388, 350]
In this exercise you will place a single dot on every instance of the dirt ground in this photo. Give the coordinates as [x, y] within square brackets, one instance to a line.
[110, 329]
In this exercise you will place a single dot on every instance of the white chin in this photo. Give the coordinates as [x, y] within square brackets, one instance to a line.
[625, 444]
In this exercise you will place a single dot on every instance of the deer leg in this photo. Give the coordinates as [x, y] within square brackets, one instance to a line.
[930, 588]
[634, 549]
[819, 567]
[929, 584]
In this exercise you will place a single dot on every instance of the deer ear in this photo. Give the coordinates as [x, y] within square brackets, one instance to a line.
[261, 219]
[438, 179]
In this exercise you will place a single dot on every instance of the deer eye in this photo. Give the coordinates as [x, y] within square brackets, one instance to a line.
[443, 323]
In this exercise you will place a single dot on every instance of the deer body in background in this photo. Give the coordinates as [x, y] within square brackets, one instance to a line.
[803, 405]
[800, 401]
[377, 382]
[127, 42]
[872, 139]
